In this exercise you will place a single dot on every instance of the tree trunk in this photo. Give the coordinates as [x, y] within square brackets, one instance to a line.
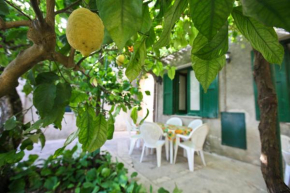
[9, 105]
[270, 152]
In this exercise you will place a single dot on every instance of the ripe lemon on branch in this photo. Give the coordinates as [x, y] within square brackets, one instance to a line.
[120, 60]
[85, 31]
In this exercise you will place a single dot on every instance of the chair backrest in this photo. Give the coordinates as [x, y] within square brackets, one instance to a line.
[286, 156]
[174, 121]
[198, 136]
[285, 142]
[195, 123]
[151, 133]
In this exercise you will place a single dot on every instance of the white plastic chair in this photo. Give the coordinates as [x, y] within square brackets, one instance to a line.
[151, 134]
[285, 143]
[195, 123]
[197, 137]
[133, 137]
[286, 157]
[174, 121]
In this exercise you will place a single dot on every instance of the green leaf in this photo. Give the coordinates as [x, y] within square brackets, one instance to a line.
[140, 96]
[111, 127]
[215, 48]
[147, 113]
[58, 152]
[163, 5]
[17, 185]
[147, 21]
[91, 175]
[262, 38]
[93, 130]
[118, 16]
[134, 174]
[46, 77]
[34, 138]
[147, 92]
[107, 37]
[71, 137]
[171, 72]
[117, 111]
[43, 98]
[51, 183]
[177, 190]
[271, 13]
[11, 123]
[26, 144]
[209, 16]
[42, 140]
[134, 114]
[32, 158]
[137, 60]
[4, 10]
[207, 70]
[37, 125]
[63, 94]
[170, 17]
[55, 115]
[78, 96]
[162, 190]
[10, 157]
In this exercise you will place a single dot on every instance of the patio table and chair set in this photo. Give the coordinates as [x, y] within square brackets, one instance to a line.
[173, 135]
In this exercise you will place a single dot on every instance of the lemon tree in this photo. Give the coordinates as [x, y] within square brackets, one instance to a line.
[47, 44]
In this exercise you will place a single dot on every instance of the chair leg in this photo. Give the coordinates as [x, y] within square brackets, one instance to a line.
[158, 153]
[138, 143]
[287, 175]
[176, 151]
[142, 153]
[202, 157]
[184, 153]
[132, 144]
[167, 148]
[190, 158]
[147, 151]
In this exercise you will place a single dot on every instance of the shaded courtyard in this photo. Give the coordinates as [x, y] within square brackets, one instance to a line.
[220, 175]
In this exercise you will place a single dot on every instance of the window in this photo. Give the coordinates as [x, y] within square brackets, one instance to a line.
[185, 96]
[281, 81]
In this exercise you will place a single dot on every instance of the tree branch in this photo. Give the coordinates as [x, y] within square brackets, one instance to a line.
[21, 64]
[71, 55]
[37, 11]
[68, 7]
[13, 24]
[15, 7]
[50, 12]
[62, 59]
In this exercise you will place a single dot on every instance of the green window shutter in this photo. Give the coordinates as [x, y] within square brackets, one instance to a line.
[255, 90]
[167, 95]
[282, 87]
[209, 100]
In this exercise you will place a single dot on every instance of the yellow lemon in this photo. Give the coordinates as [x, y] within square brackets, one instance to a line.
[85, 31]
[120, 60]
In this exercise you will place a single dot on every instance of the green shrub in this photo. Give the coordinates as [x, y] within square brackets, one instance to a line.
[66, 173]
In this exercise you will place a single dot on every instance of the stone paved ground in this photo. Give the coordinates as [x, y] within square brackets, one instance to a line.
[221, 175]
